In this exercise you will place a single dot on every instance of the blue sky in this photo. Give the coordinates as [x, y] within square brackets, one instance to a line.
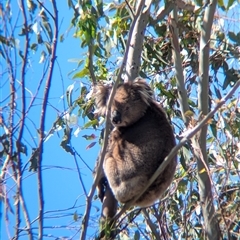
[62, 188]
[61, 184]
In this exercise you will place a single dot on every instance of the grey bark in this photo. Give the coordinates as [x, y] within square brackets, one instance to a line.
[211, 224]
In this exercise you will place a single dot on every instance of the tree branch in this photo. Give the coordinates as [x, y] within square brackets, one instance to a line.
[9, 157]
[204, 182]
[43, 119]
[182, 93]
[167, 9]
[151, 225]
[135, 45]
[22, 124]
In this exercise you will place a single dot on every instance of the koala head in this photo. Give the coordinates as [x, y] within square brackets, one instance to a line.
[130, 102]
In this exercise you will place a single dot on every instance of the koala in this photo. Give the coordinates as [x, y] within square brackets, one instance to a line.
[140, 140]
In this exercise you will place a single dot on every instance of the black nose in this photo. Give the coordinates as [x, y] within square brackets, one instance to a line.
[116, 117]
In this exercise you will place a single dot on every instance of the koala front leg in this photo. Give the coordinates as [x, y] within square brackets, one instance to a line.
[101, 187]
[109, 207]
[101, 184]
[109, 203]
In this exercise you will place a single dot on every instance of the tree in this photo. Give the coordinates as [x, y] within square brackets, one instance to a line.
[188, 52]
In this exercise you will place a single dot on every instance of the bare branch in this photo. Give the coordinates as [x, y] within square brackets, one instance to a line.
[22, 124]
[151, 225]
[135, 45]
[182, 93]
[43, 119]
[168, 8]
[79, 174]
[204, 183]
[11, 119]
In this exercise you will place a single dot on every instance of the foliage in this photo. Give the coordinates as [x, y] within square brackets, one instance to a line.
[103, 29]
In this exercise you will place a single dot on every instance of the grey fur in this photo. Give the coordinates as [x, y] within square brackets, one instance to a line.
[142, 137]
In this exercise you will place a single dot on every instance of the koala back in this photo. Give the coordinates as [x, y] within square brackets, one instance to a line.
[138, 144]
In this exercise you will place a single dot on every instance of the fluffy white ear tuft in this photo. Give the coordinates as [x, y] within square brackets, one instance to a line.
[143, 88]
[101, 93]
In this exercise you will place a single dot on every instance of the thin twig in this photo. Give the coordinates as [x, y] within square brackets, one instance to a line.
[84, 162]
[43, 119]
[151, 225]
[79, 174]
[11, 120]
[22, 124]
[160, 222]
[53, 17]
[130, 9]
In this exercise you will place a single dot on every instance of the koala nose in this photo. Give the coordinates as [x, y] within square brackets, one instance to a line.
[116, 117]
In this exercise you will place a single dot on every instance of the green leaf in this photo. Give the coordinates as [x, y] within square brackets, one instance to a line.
[5, 143]
[81, 74]
[34, 160]
[91, 124]
[214, 129]
[221, 4]
[231, 76]
[34, 46]
[136, 235]
[99, 5]
[161, 30]
[65, 144]
[83, 91]
[48, 27]
[39, 39]
[217, 92]
[90, 145]
[199, 2]
[89, 137]
[232, 36]
[230, 3]
[75, 216]
[163, 90]
[238, 38]
[226, 82]
[62, 37]
[21, 54]
[4, 40]
[183, 159]
[189, 113]
[23, 148]
[48, 46]
[69, 94]
[182, 186]
[67, 148]
[31, 6]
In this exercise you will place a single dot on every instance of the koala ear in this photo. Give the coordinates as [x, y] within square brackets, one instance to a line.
[141, 86]
[101, 93]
